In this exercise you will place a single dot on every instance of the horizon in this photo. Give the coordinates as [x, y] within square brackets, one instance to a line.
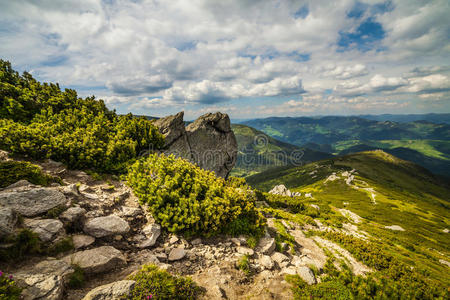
[249, 59]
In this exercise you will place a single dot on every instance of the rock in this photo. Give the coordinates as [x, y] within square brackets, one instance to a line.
[308, 195]
[245, 251]
[106, 226]
[32, 202]
[97, 260]
[176, 254]
[20, 184]
[288, 271]
[445, 230]
[73, 214]
[444, 262]
[81, 240]
[315, 206]
[113, 291]
[395, 228]
[307, 275]
[8, 220]
[280, 259]
[70, 190]
[152, 231]
[53, 267]
[41, 286]
[4, 156]
[235, 241]
[173, 239]
[208, 142]
[350, 215]
[266, 245]
[131, 211]
[280, 190]
[46, 229]
[266, 262]
[196, 242]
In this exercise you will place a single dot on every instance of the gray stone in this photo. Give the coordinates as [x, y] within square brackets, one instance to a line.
[288, 271]
[97, 260]
[106, 226]
[208, 141]
[8, 220]
[131, 211]
[82, 240]
[266, 262]
[32, 202]
[266, 245]
[152, 232]
[280, 190]
[173, 239]
[54, 267]
[279, 258]
[196, 242]
[46, 229]
[41, 286]
[245, 251]
[306, 274]
[113, 291]
[20, 184]
[72, 214]
[177, 254]
[71, 190]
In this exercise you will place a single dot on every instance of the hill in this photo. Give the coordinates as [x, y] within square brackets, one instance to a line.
[434, 118]
[383, 191]
[259, 152]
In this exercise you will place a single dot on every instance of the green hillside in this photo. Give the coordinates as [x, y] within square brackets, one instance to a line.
[384, 191]
[259, 152]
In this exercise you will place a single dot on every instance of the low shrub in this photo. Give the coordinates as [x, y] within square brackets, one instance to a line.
[8, 288]
[244, 265]
[76, 279]
[151, 282]
[185, 198]
[13, 171]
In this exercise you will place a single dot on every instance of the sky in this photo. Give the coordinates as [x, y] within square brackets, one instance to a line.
[247, 58]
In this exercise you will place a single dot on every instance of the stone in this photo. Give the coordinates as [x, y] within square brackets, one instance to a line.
[152, 232]
[177, 254]
[395, 228]
[97, 260]
[131, 211]
[46, 229]
[82, 240]
[266, 245]
[315, 206]
[72, 214]
[40, 286]
[32, 202]
[245, 251]
[196, 242]
[113, 291]
[306, 274]
[208, 142]
[280, 190]
[106, 226]
[70, 190]
[266, 262]
[279, 258]
[20, 184]
[53, 267]
[235, 241]
[8, 220]
[350, 215]
[445, 230]
[288, 271]
[173, 239]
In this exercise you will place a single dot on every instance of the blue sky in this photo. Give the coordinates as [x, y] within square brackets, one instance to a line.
[248, 58]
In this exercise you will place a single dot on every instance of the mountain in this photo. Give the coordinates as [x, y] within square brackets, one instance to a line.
[383, 191]
[434, 118]
[258, 152]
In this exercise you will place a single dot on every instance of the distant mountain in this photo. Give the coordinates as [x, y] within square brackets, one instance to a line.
[433, 118]
[258, 152]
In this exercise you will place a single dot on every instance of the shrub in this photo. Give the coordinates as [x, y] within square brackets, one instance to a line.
[13, 171]
[25, 242]
[155, 283]
[185, 198]
[8, 288]
[76, 279]
[244, 265]
[41, 121]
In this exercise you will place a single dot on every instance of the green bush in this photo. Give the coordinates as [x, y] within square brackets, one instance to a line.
[8, 288]
[244, 265]
[152, 282]
[76, 279]
[13, 171]
[185, 198]
[25, 242]
[41, 121]
[293, 204]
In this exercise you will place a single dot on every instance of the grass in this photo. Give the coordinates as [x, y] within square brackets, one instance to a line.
[244, 265]
[13, 171]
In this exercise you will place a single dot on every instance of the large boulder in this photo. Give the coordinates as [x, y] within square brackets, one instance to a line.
[41, 286]
[106, 226]
[113, 291]
[32, 202]
[208, 142]
[97, 260]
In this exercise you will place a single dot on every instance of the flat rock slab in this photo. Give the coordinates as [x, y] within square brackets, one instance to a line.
[97, 260]
[82, 240]
[177, 254]
[8, 220]
[106, 226]
[113, 291]
[32, 202]
[46, 229]
[41, 286]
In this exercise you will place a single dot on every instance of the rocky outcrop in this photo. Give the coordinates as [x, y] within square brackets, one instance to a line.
[283, 191]
[41, 286]
[208, 141]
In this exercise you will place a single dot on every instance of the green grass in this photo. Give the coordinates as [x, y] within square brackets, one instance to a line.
[13, 171]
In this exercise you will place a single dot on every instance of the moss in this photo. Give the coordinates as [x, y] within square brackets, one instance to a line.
[160, 284]
[13, 171]
[77, 279]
